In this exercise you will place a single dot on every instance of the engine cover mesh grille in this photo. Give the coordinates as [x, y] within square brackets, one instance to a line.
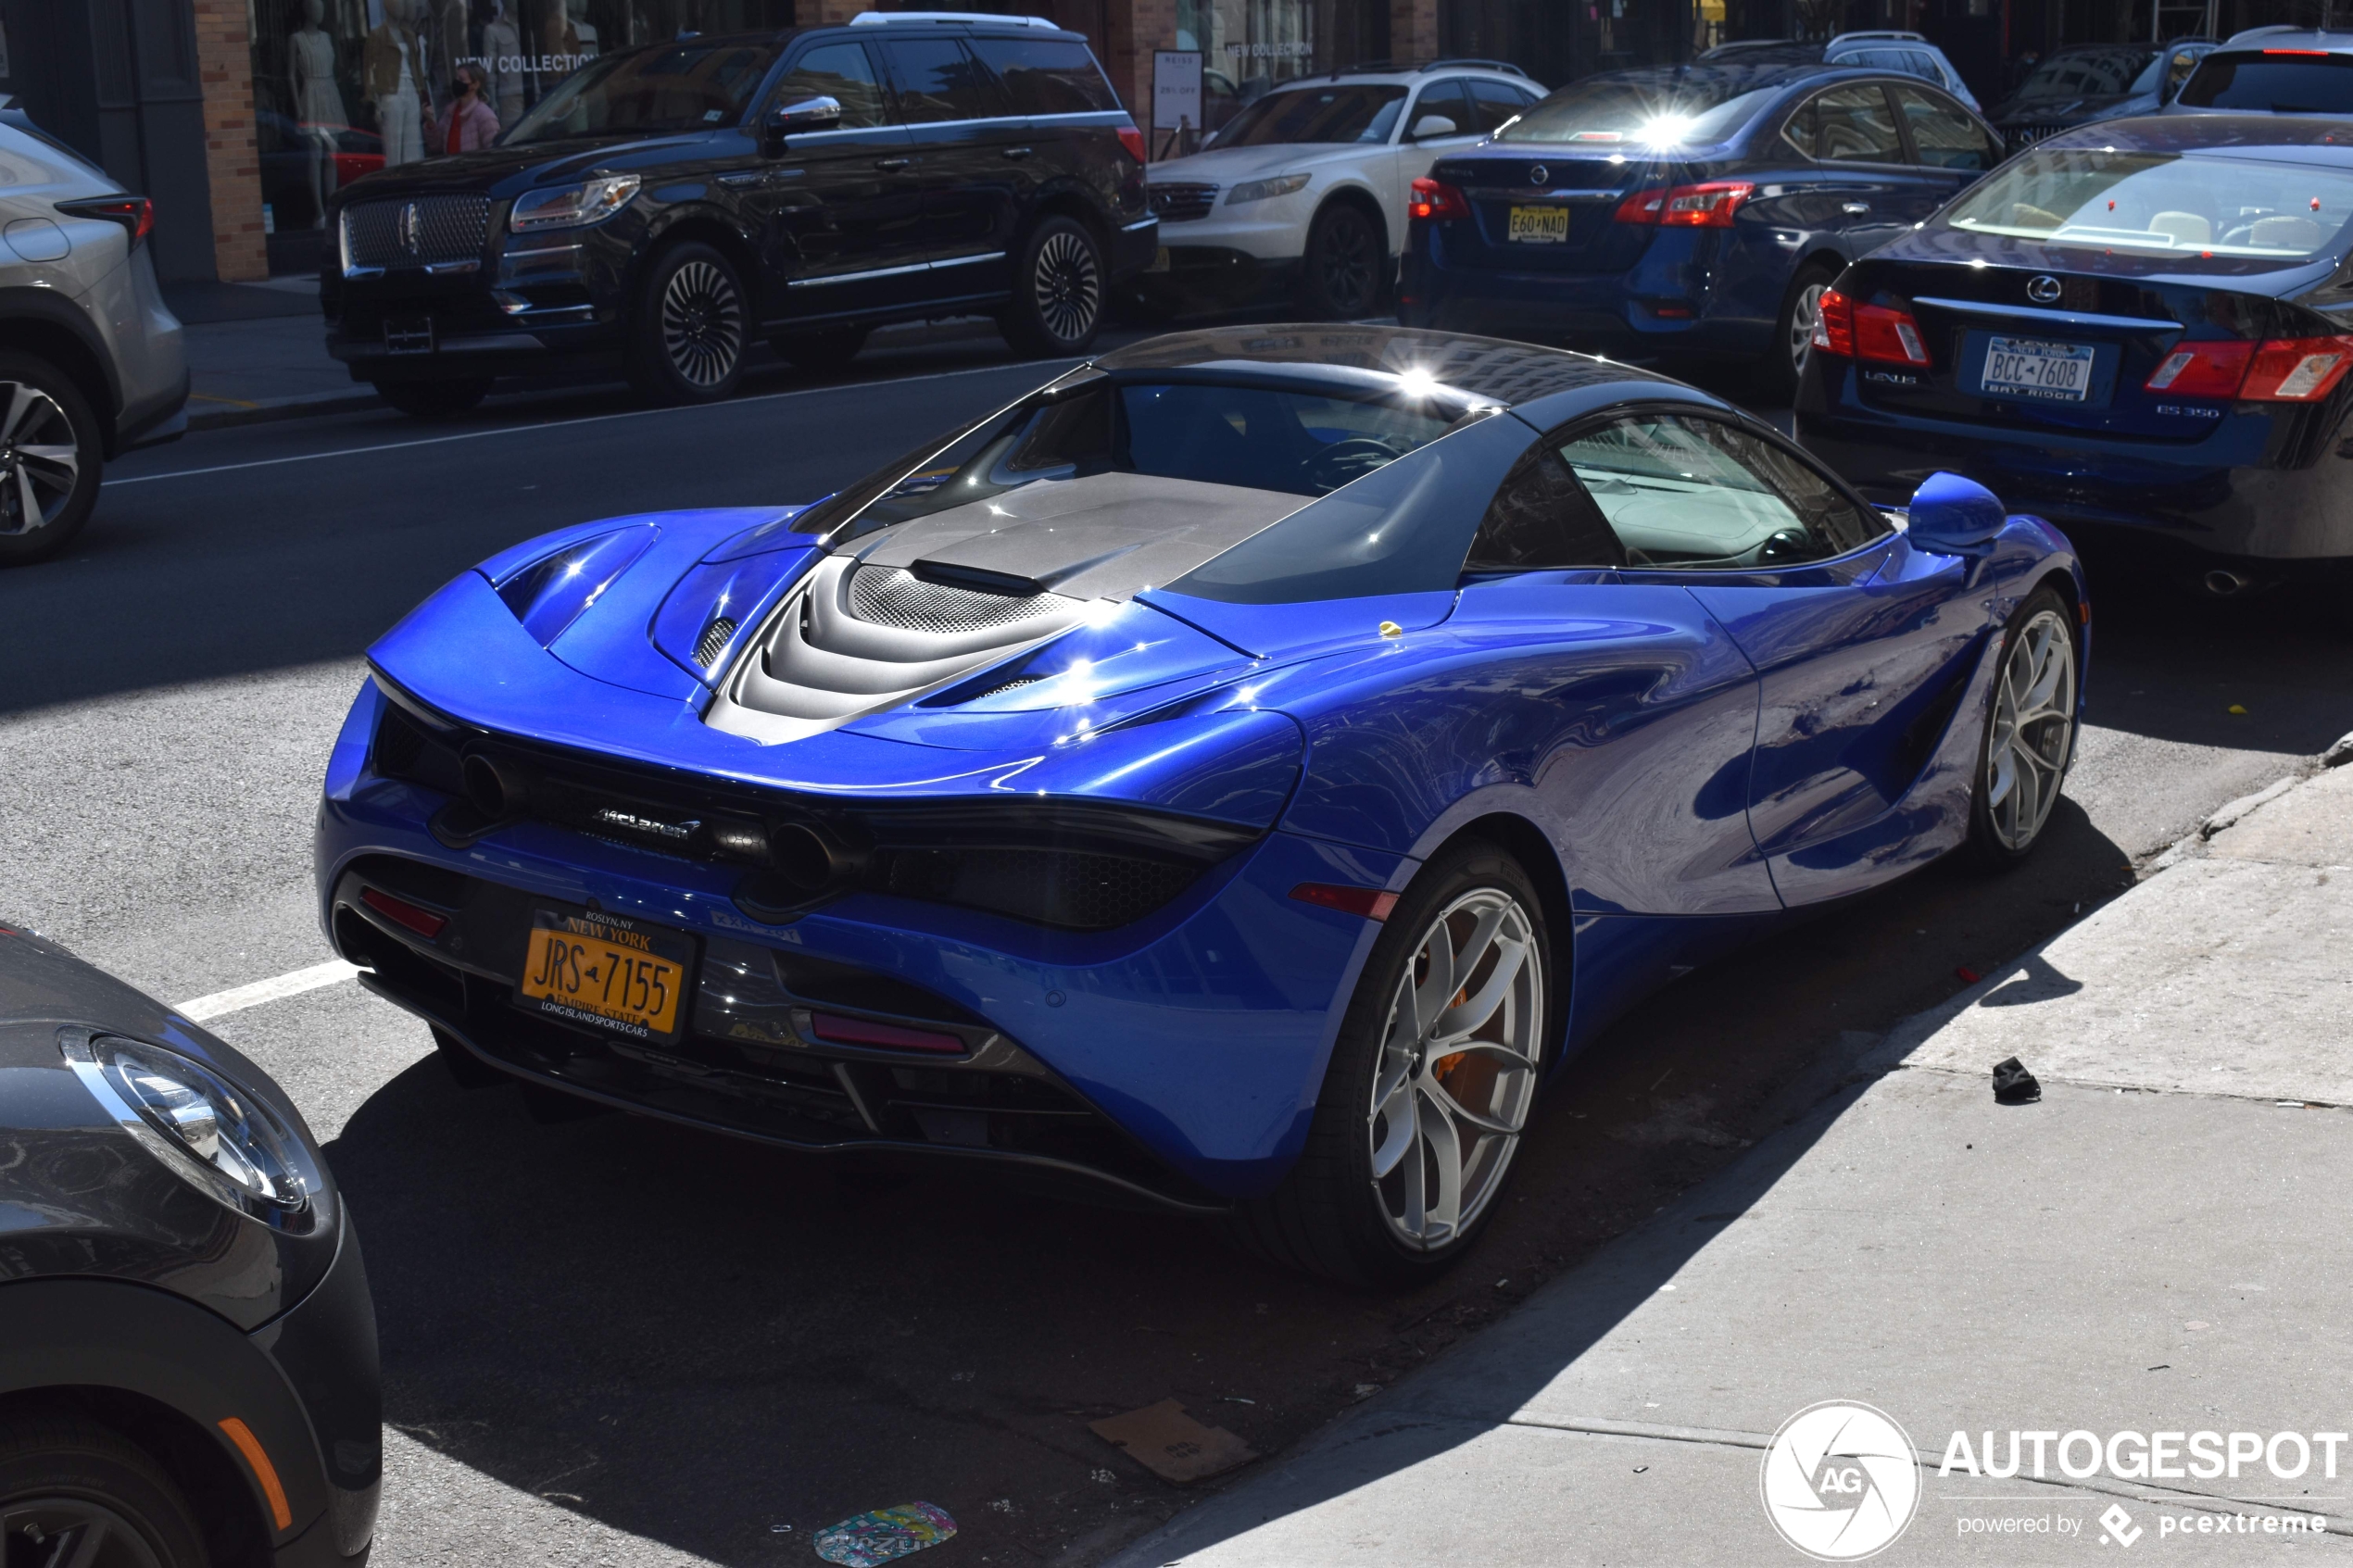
[893, 596]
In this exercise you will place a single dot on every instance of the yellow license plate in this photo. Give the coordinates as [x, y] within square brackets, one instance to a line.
[606, 970]
[1539, 225]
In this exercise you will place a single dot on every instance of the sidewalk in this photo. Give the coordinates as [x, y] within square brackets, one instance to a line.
[2156, 1246]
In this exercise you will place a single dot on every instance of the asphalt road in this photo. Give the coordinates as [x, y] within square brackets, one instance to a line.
[610, 1341]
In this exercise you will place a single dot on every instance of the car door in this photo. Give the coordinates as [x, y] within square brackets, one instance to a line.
[1862, 184]
[1947, 143]
[962, 125]
[1864, 649]
[841, 213]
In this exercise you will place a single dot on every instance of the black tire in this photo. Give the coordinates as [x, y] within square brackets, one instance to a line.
[821, 351]
[62, 1473]
[468, 1070]
[1782, 363]
[690, 327]
[1332, 1214]
[1995, 839]
[51, 449]
[434, 399]
[1341, 273]
[1061, 286]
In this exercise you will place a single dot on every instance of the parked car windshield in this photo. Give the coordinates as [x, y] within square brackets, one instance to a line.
[683, 86]
[1341, 112]
[1695, 108]
[2271, 83]
[2197, 206]
[2084, 73]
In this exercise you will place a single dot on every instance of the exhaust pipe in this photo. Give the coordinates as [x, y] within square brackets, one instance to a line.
[2227, 584]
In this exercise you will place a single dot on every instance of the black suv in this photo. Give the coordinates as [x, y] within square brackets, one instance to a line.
[666, 202]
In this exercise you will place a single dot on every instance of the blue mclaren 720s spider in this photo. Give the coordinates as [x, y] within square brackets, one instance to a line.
[1228, 780]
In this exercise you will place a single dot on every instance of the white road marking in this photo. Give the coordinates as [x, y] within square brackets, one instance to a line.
[238, 998]
[1054, 365]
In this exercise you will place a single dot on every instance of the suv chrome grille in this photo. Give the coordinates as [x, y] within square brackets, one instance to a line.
[1180, 201]
[893, 596]
[442, 230]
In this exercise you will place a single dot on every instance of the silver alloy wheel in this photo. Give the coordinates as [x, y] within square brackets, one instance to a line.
[702, 324]
[1458, 1069]
[39, 458]
[2034, 725]
[1067, 285]
[1801, 317]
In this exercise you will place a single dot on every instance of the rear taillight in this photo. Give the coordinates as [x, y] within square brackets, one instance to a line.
[1708, 206]
[1643, 206]
[1133, 140]
[1437, 201]
[136, 214]
[1887, 334]
[2298, 369]
[1835, 327]
[2204, 370]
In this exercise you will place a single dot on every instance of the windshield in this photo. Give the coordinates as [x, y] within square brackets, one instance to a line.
[1285, 440]
[1362, 112]
[685, 86]
[1649, 110]
[2197, 206]
[2086, 73]
[2272, 83]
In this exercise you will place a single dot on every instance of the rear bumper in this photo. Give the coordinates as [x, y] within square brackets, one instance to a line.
[1664, 307]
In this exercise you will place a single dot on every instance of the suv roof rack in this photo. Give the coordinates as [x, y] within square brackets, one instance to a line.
[900, 18]
[1884, 35]
[1505, 67]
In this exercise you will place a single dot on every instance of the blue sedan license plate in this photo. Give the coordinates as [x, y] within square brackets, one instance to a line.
[2025, 367]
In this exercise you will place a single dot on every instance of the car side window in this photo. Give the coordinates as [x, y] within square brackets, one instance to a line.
[1448, 101]
[1541, 517]
[939, 79]
[1942, 134]
[1804, 129]
[1689, 492]
[1854, 125]
[845, 73]
[1047, 75]
[1492, 103]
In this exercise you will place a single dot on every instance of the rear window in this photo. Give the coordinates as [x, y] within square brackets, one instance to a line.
[2084, 73]
[1646, 109]
[2196, 208]
[1046, 76]
[2274, 84]
[1364, 112]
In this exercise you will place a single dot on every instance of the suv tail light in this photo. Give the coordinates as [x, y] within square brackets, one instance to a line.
[2279, 369]
[136, 214]
[1867, 332]
[2212, 368]
[1133, 140]
[1835, 327]
[1436, 200]
[1708, 206]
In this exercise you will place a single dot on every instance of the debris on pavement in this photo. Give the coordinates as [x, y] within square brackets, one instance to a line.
[2013, 1085]
[1172, 1445]
[1969, 974]
[884, 1535]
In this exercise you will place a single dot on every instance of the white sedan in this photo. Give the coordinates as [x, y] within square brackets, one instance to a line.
[1304, 191]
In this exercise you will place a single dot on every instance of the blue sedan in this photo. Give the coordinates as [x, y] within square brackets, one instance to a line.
[1229, 779]
[1685, 214]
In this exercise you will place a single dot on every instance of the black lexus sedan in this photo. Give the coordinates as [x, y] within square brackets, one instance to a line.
[187, 1348]
[2137, 328]
[666, 206]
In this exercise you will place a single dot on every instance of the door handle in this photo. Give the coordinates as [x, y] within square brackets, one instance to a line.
[1017, 152]
[1855, 210]
[893, 162]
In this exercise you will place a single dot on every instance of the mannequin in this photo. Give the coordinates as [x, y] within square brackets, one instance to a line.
[580, 34]
[318, 102]
[502, 56]
[395, 80]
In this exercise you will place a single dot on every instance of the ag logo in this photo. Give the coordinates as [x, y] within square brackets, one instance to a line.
[2042, 290]
[1840, 1481]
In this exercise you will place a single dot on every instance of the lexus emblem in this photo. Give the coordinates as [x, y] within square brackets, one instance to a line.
[2042, 290]
[410, 240]
[1539, 175]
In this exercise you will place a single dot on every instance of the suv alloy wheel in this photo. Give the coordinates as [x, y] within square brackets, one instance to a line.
[1340, 278]
[1057, 291]
[51, 458]
[690, 327]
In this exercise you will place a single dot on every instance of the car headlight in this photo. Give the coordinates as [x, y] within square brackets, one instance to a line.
[1259, 190]
[217, 1136]
[573, 207]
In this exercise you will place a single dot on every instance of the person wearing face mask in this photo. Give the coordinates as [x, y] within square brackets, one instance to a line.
[469, 121]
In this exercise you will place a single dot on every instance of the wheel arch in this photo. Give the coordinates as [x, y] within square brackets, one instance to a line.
[700, 225]
[34, 322]
[209, 1480]
[1526, 843]
[1068, 201]
[1361, 198]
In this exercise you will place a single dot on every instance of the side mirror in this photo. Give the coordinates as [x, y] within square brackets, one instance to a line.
[808, 114]
[1954, 516]
[1432, 125]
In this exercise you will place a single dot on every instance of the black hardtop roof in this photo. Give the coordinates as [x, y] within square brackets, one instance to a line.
[1493, 369]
